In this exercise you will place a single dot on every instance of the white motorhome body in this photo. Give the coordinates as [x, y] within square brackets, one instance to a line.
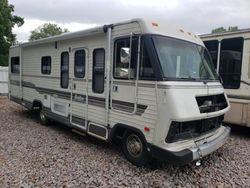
[113, 82]
[3, 80]
[231, 56]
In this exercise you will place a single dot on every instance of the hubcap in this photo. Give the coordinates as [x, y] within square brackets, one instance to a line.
[42, 116]
[134, 145]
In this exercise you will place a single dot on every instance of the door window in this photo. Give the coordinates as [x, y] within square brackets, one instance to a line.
[125, 59]
[98, 70]
[79, 64]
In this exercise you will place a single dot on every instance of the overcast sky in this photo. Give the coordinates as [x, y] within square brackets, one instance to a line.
[199, 16]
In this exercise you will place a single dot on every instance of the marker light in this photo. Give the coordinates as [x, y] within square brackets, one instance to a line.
[154, 24]
[146, 129]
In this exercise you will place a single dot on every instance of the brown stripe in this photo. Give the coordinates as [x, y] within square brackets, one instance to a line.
[92, 100]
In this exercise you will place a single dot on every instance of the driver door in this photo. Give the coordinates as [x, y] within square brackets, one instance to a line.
[124, 82]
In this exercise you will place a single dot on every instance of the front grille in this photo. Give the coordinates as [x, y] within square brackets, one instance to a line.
[211, 103]
[191, 129]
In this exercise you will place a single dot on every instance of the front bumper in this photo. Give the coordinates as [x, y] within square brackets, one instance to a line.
[209, 147]
[187, 155]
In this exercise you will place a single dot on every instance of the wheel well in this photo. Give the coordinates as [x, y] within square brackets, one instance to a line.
[120, 130]
[37, 105]
[119, 133]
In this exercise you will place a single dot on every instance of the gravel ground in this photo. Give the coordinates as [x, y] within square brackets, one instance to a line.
[32, 155]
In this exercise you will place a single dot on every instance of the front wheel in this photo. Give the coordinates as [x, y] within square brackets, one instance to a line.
[43, 118]
[134, 149]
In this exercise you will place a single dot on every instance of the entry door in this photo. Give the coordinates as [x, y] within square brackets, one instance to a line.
[79, 88]
[124, 82]
[97, 90]
[15, 86]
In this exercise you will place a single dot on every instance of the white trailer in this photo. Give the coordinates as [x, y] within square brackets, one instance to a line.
[230, 53]
[149, 85]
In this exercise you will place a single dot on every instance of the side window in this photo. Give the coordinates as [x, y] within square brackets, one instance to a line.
[79, 64]
[146, 70]
[212, 47]
[46, 65]
[15, 65]
[98, 70]
[230, 62]
[64, 70]
[124, 68]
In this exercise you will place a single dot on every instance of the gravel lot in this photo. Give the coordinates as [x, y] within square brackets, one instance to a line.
[32, 155]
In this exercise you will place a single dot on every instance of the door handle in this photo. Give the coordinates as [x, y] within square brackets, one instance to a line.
[74, 86]
[115, 88]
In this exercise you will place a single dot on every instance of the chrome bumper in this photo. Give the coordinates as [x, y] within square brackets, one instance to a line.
[209, 147]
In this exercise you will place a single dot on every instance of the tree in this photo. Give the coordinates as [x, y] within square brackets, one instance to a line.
[233, 28]
[219, 30]
[46, 30]
[7, 22]
[222, 29]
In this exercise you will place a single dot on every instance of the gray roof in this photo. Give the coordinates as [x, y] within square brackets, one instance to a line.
[70, 35]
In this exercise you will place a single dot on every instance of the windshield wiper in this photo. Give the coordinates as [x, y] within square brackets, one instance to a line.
[208, 78]
[187, 78]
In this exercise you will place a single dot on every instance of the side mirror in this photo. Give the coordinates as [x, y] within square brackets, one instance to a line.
[124, 55]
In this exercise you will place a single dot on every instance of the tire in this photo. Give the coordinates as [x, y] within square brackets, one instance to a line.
[134, 149]
[43, 118]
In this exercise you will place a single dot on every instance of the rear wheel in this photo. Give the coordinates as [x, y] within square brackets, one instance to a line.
[43, 118]
[134, 149]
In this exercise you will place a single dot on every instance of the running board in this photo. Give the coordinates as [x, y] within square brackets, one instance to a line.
[78, 132]
[98, 131]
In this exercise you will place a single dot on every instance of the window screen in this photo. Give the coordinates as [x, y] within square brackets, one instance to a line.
[65, 70]
[230, 62]
[98, 70]
[212, 47]
[121, 63]
[79, 64]
[46, 65]
[15, 65]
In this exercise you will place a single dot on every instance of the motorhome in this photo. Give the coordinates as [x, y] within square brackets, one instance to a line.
[230, 53]
[148, 85]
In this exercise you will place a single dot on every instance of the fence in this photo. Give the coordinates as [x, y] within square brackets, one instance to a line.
[3, 80]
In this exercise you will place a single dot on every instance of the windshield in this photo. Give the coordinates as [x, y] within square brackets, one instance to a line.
[184, 60]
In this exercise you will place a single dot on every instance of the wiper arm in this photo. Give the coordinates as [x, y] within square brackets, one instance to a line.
[209, 78]
[187, 78]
